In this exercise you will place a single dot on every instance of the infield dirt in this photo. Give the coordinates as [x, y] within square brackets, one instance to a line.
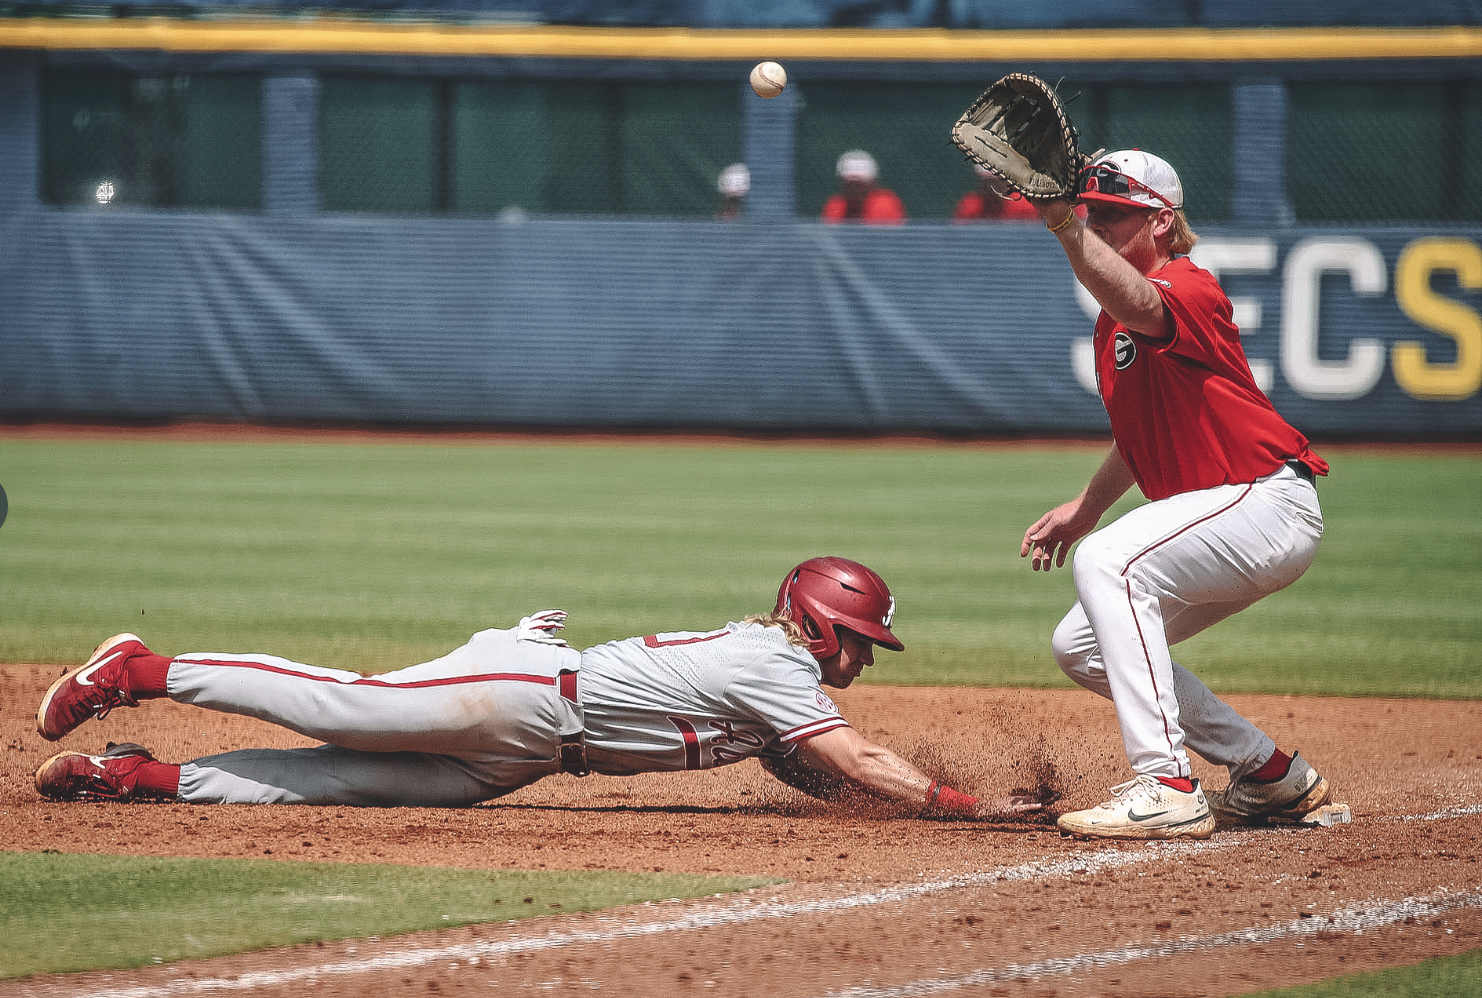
[881, 903]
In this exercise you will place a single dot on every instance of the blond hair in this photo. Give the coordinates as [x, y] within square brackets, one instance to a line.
[789, 626]
[1181, 238]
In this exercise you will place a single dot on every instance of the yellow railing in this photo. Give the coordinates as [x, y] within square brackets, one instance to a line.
[344, 35]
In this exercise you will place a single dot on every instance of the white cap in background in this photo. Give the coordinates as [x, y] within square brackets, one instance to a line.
[735, 180]
[856, 164]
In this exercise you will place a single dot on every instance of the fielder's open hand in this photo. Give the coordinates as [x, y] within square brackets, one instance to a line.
[1048, 541]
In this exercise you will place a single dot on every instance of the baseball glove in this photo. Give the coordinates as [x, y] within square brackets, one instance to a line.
[1019, 129]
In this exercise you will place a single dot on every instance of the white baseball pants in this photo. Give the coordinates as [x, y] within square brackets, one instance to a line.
[1162, 573]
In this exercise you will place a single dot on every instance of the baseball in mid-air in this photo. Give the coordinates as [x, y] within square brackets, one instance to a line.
[768, 79]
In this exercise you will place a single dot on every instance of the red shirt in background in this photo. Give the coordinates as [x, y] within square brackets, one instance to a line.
[976, 206]
[881, 206]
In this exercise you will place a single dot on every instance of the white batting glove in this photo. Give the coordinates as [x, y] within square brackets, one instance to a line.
[542, 627]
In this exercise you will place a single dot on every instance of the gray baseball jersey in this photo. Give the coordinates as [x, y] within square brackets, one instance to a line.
[490, 716]
[692, 700]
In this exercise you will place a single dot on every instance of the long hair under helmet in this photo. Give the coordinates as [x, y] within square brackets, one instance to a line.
[822, 594]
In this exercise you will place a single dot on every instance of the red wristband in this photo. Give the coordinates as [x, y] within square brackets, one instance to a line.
[940, 797]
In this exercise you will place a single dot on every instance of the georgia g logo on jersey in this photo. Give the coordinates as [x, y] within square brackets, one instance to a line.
[1124, 351]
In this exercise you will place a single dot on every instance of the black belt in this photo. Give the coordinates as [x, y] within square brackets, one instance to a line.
[574, 755]
[1303, 472]
[573, 747]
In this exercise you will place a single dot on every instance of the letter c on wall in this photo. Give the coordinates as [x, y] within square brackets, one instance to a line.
[1301, 285]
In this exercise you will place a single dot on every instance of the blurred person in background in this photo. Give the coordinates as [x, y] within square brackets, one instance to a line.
[860, 197]
[733, 185]
[992, 201]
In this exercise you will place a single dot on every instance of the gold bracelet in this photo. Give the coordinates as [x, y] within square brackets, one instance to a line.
[1060, 226]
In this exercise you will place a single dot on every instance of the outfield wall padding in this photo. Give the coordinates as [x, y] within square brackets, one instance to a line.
[642, 323]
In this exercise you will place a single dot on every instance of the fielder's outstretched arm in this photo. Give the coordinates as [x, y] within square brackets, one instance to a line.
[847, 754]
[1118, 285]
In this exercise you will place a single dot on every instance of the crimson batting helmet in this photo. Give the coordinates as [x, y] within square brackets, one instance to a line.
[824, 593]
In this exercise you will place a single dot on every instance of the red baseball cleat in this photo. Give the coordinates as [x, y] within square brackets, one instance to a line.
[113, 775]
[93, 690]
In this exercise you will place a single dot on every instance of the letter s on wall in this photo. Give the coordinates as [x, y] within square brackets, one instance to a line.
[1462, 378]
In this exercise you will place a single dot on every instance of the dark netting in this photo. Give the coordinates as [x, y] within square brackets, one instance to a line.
[1356, 151]
[539, 147]
[1385, 152]
[169, 140]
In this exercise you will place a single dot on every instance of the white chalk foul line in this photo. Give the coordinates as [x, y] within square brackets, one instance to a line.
[1350, 921]
[735, 913]
[1460, 811]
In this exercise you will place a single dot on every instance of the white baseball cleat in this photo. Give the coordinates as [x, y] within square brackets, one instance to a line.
[1144, 808]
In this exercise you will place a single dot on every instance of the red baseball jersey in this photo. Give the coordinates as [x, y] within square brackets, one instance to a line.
[976, 207]
[1187, 414]
[882, 206]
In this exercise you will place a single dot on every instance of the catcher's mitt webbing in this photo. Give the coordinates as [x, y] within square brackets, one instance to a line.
[1019, 129]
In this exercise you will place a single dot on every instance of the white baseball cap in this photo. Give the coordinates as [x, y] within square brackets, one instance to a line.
[734, 180]
[856, 164]
[1132, 176]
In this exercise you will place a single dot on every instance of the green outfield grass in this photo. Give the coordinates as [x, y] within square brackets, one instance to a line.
[135, 912]
[1451, 977]
[374, 556]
